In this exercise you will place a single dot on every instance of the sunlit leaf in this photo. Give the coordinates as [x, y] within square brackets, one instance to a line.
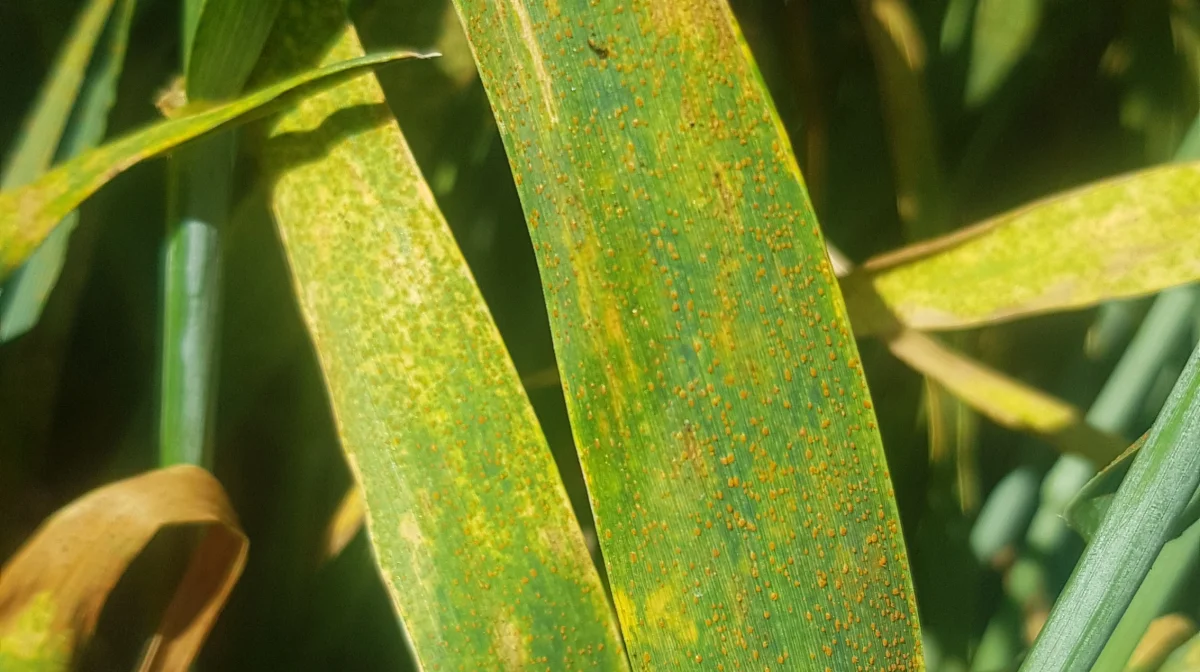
[725, 429]
[1004, 400]
[53, 588]
[1131, 235]
[470, 524]
[29, 213]
[47, 120]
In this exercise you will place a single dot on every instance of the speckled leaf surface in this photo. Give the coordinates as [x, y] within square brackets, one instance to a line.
[714, 387]
[1130, 235]
[467, 516]
[29, 213]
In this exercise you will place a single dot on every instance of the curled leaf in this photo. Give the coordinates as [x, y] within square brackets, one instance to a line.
[52, 589]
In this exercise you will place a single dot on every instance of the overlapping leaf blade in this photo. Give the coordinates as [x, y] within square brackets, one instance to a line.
[470, 525]
[1131, 235]
[29, 213]
[91, 97]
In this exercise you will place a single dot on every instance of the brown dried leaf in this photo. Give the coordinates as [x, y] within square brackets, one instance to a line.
[52, 589]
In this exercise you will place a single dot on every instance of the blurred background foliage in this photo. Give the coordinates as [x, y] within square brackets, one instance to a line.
[1021, 99]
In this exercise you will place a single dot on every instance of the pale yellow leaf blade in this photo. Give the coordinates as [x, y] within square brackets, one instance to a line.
[1127, 236]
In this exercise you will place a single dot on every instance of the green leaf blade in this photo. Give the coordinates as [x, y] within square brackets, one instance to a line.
[1126, 236]
[1137, 525]
[725, 429]
[28, 214]
[229, 36]
[469, 522]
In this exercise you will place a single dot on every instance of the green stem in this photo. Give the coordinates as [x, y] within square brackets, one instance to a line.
[200, 188]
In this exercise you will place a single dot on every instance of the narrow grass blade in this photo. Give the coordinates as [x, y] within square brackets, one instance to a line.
[1005, 515]
[53, 588]
[1162, 329]
[1169, 575]
[1088, 508]
[1125, 236]
[1006, 401]
[726, 432]
[27, 290]
[345, 524]
[470, 524]
[1157, 489]
[28, 214]
[924, 205]
[956, 25]
[47, 120]
[899, 53]
[1112, 411]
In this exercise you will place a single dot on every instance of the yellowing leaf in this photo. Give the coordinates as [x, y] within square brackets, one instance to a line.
[52, 590]
[723, 423]
[29, 213]
[1131, 235]
[1165, 635]
[475, 538]
[26, 292]
[1184, 659]
[346, 522]
[1006, 401]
